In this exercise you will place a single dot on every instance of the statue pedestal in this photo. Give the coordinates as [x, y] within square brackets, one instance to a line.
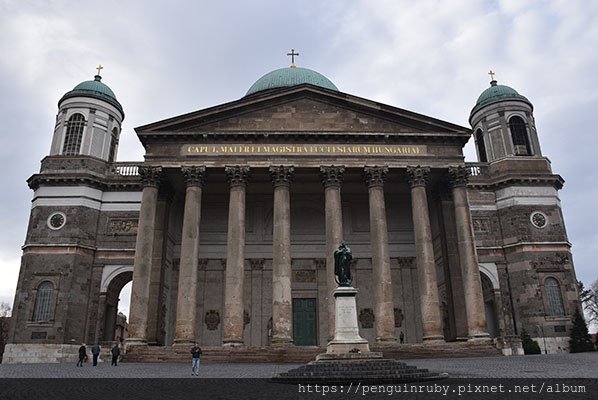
[347, 344]
[348, 358]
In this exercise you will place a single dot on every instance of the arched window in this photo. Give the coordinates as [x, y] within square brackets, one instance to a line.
[113, 144]
[519, 136]
[74, 135]
[554, 299]
[43, 302]
[479, 139]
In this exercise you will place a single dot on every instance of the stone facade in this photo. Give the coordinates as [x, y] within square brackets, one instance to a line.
[228, 225]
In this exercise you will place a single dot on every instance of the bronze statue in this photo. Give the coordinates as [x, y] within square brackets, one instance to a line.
[342, 265]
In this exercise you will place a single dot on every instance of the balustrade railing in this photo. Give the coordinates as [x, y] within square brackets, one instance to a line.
[477, 169]
[132, 168]
[125, 169]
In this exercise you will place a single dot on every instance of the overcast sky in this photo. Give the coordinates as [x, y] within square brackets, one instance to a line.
[166, 58]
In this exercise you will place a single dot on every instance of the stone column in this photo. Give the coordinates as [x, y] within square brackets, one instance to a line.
[424, 255]
[282, 302]
[472, 286]
[186, 310]
[332, 179]
[452, 267]
[154, 331]
[137, 330]
[384, 307]
[233, 323]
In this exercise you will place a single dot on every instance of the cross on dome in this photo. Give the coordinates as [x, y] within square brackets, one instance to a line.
[292, 54]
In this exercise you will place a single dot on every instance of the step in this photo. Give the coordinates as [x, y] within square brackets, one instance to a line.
[292, 354]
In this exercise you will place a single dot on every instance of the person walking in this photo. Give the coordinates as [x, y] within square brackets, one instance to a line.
[115, 353]
[82, 355]
[95, 352]
[195, 360]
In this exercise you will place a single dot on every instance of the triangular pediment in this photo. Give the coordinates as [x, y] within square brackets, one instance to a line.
[302, 108]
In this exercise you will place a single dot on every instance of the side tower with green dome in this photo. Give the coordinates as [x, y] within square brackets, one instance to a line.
[88, 122]
[518, 220]
[503, 124]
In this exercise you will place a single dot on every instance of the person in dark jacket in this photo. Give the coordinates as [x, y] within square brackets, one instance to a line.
[82, 355]
[115, 353]
[195, 354]
[95, 352]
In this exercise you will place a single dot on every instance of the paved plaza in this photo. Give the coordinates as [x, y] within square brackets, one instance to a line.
[581, 365]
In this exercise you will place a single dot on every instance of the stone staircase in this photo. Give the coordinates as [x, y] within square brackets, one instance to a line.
[362, 371]
[292, 354]
[477, 348]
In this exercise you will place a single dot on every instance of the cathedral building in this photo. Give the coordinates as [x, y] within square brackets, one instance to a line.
[227, 229]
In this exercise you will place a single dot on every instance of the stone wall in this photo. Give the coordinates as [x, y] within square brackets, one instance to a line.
[31, 353]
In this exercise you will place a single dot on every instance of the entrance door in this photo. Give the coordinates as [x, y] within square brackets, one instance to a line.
[305, 324]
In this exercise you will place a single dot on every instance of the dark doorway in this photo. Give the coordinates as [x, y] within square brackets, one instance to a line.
[305, 325]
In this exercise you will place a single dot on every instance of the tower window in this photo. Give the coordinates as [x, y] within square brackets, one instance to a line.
[554, 299]
[113, 144]
[519, 136]
[43, 302]
[479, 139]
[74, 135]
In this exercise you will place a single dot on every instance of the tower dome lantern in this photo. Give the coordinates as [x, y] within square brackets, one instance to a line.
[88, 122]
[503, 124]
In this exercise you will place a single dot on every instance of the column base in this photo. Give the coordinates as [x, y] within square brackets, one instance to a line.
[130, 342]
[282, 342]
[433, 339]
[183, 342]
[386, 339]
[478, 336]
[232, 343]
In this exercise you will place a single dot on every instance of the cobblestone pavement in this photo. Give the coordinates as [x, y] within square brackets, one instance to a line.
[581, 365]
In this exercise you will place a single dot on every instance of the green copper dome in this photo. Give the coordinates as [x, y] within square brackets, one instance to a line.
[290, 76]
[496, 93]
[95, 89]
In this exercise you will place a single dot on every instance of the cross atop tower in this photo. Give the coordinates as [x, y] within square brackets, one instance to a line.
[491, 75]
[292, 54]
[99, 68]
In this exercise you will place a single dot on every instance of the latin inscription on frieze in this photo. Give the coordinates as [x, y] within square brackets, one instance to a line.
[336, 150]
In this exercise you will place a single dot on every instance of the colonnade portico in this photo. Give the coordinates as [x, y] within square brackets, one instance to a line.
[331, 177]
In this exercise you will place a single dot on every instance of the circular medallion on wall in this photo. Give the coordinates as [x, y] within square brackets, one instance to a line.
[538, 219]
[56, 220]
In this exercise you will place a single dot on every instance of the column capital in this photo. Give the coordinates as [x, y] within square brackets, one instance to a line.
[237, 175]
[458, 176]
[150, 176]
[282, 175]
[418, 176]
[332, 176]
[194, 175]
[374, 176]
